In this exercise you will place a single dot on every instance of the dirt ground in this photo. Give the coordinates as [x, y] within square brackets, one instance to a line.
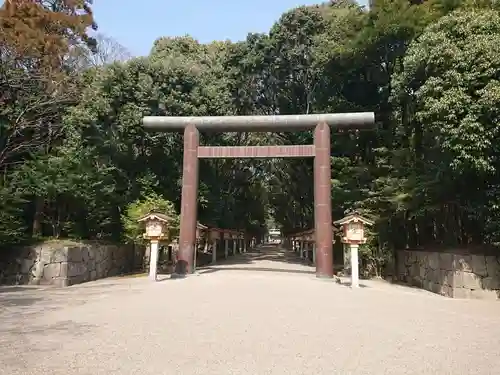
[258, 313]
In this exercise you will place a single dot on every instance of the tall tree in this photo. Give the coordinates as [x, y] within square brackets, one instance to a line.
[35, 87]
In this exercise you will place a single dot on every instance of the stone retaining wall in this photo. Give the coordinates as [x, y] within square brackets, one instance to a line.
[63, 263]
[452, 274]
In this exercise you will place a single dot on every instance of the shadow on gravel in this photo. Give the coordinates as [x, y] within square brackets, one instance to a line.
[16, 288]
[269, 253]
[206, 270]
[168, 277]
[65, 327]
[20, 301]
[348, 284]
[18, 296]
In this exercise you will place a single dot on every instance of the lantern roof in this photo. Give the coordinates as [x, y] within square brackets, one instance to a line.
[200, 226]
[354, 217]
[155, 216]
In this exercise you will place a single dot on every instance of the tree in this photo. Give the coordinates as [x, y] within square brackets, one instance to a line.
[106, 51]
[449, 77]
[35, 87]
[44, 31]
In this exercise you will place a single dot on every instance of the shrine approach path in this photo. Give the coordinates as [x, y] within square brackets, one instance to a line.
[258, 313]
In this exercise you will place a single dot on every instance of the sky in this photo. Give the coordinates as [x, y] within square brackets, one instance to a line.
[137, 26]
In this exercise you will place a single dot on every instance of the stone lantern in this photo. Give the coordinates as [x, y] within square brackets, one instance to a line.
[156, 227]
[353, 234]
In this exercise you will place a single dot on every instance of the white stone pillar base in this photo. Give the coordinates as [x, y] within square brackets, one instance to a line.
[354, 266]
[153, 260]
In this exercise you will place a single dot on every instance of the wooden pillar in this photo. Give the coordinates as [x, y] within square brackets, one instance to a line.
[189, 202]
[323, 202]
[214, 251]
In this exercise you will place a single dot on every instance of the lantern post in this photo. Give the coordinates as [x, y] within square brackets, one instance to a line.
[156, 226]
[353, 228]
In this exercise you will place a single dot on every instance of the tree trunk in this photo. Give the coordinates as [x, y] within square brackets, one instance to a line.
[37, 218]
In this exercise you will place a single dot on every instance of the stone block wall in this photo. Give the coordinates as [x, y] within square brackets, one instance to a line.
[64, 263]
[455, 274]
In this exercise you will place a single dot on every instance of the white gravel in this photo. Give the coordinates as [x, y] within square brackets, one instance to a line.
[257, 314]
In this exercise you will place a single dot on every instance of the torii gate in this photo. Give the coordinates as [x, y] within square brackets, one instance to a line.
[320, 151]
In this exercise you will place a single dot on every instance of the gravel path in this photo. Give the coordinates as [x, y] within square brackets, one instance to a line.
[257, 314]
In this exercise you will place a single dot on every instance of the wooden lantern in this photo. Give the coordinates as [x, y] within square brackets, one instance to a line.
[156, 225]
[214, 234]
[200, 230]
[353, 228]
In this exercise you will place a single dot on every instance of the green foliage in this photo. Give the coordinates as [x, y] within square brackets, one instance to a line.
[133, 230]
[448, 90]
[12, 227]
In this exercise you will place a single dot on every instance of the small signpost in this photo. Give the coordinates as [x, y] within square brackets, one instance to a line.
[156, 226]
[353, 226]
